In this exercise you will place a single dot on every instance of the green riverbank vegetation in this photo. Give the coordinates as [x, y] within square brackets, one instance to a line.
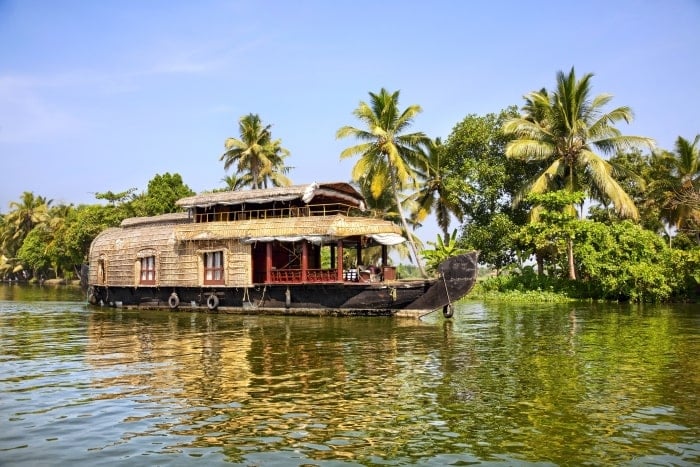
[561, 204]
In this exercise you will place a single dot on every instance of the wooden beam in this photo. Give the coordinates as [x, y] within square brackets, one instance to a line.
[340, 260]
[268, 262]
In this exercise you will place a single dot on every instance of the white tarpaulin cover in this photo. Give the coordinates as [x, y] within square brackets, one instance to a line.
[389, 239]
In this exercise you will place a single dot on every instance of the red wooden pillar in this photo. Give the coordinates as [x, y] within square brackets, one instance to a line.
[332, 247]
[268, 262]
[304, 260]
[340, 260]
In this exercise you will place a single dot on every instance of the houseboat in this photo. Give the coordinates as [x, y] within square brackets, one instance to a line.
[302, 249]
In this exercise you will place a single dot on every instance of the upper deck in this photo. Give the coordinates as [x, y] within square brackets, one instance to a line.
[327, 199]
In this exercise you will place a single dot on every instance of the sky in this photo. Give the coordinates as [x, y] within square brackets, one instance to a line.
[104, 95]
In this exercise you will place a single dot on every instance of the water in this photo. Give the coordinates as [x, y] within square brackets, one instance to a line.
[545, 385]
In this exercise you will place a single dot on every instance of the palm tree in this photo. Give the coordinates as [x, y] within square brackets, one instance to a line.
[562, 129]
[388, 157]
[679, 183]
[255, 153]
[274, 173]
[237, 182]
[385, 206]
[434, 195]
[24, 215]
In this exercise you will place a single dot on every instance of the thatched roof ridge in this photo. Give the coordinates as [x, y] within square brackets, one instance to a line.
[169, 218]
[305, 192]
[338, 226]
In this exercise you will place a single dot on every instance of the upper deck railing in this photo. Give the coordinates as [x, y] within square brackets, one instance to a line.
[280, 212]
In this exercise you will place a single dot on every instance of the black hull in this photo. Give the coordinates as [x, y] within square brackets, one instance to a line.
[412, 298]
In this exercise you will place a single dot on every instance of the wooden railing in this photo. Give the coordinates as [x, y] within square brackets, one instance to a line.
[285, 276]
[282, 212]
[317, 276]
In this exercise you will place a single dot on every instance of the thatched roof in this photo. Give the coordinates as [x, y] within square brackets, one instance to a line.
[131, 239]
[170, 218]
[341, 191]
[293, 228]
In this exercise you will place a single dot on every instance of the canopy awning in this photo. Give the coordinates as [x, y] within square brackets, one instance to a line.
[316, 229]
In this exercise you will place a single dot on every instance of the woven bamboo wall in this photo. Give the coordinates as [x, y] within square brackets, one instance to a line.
[178, 264]
[240, 266]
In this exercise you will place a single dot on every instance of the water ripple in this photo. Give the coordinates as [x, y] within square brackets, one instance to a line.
[495, 385]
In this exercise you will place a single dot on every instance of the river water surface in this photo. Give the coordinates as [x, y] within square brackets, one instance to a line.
[544, 385]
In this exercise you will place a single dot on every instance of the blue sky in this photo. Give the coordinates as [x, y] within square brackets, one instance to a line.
[103, 95]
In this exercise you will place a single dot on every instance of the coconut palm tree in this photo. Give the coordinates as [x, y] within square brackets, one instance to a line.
[237, 182]
[274, 173]
[255, 153]
[564, 129]
[434, 195]
[679, 183]
[24, 215]
[385, 206]
[388, 156]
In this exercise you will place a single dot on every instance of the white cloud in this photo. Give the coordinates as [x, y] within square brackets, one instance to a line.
[34, 106]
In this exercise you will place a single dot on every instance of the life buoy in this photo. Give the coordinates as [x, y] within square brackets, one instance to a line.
[212, 302]
[173, 301]
[448, 311]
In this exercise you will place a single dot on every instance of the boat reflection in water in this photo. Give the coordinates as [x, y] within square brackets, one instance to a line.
[261, 382]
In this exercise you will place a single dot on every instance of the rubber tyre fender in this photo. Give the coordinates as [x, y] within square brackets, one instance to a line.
[173, 301]
[92, 296]
[448, 311]
[212, 302]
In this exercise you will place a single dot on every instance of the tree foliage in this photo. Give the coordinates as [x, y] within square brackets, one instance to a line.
[623, 261]
[162, 193]
[551, 236]
[485, 181]
[441, 251]
[39, 239]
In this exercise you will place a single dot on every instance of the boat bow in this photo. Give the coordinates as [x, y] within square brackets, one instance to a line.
[457, 276]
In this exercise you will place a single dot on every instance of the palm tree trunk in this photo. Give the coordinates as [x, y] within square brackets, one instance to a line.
[570, 241]
[570, 255]
[411, 243]
[540, 263]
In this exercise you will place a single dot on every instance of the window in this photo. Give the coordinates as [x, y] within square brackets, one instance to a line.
[148, 270]
[101, 272]
[214, 267]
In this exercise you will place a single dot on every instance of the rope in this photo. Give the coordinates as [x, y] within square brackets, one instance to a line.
[447, 292]
[262, 297]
